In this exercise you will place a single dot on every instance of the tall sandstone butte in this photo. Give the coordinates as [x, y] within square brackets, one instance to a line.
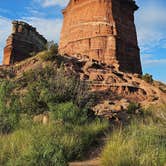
[102, 31]
[22, 42]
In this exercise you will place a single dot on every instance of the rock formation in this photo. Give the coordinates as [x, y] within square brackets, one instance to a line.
[102, 31]
[113, 90]
[23, 41]
[99, 45]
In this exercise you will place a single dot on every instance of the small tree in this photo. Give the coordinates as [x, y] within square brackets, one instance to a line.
[51, 53]
[132, 108]
[54, 48]
[148, 78]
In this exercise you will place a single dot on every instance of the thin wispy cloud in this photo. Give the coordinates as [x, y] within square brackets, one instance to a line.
[49, 28]
[34, 12]
[4, 11]
[47, 3]
[154, 61]
[151, 22]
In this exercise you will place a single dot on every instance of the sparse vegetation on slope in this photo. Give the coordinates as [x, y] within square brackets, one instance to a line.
[51, 54]
[70, 130]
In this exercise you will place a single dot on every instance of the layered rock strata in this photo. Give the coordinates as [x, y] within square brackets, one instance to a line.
[113, 91]
[102, 31]
[23, 41]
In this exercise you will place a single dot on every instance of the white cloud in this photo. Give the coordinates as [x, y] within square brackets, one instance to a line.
[151, 25]
[34, 12]
[49, 28]
[151, 60]
[47, 3]
[154, 61]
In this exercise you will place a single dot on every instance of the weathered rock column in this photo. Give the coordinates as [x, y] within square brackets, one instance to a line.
[102, 31]
[22, 42]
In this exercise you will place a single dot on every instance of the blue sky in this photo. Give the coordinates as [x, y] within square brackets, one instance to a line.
[46, 15]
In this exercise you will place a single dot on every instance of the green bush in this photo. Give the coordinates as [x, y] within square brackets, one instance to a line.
[47, 56]
[51, 54]
[54, 48]
[7, 73]
[32, 102]
[9, 107]
[157, 113]
[69, 113]
[52, 87]
[148, 78]
[132, 108]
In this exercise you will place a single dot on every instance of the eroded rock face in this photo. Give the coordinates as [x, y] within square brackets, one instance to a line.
[113, 90]
[102, 31]
[23, 41]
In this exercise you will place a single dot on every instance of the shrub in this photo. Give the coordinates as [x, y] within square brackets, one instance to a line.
[47, 56]
[32, 102]
[148, 78]
[69, 113]
[53, 86]
[54, 48]
[157, 113]
[138, 144]
[7, 73]
[132, 108]
[9, 107]
[51, 54]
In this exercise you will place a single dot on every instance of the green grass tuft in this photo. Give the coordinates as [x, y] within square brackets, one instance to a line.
[142, 143]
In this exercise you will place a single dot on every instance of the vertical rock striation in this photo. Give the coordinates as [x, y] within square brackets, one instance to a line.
[102, 31]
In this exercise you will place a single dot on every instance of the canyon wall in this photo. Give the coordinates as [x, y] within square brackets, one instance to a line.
[102, 31]
[23, 41]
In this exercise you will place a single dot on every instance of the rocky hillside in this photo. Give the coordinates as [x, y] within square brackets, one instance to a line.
[114, 90]
[56, 110]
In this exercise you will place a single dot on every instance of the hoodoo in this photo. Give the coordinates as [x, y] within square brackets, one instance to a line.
[102, 31]
[22, 42]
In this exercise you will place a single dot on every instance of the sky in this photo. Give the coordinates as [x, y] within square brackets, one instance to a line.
[46, 16]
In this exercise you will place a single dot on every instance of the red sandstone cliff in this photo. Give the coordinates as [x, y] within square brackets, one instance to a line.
[22, 42]
[102, 31]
